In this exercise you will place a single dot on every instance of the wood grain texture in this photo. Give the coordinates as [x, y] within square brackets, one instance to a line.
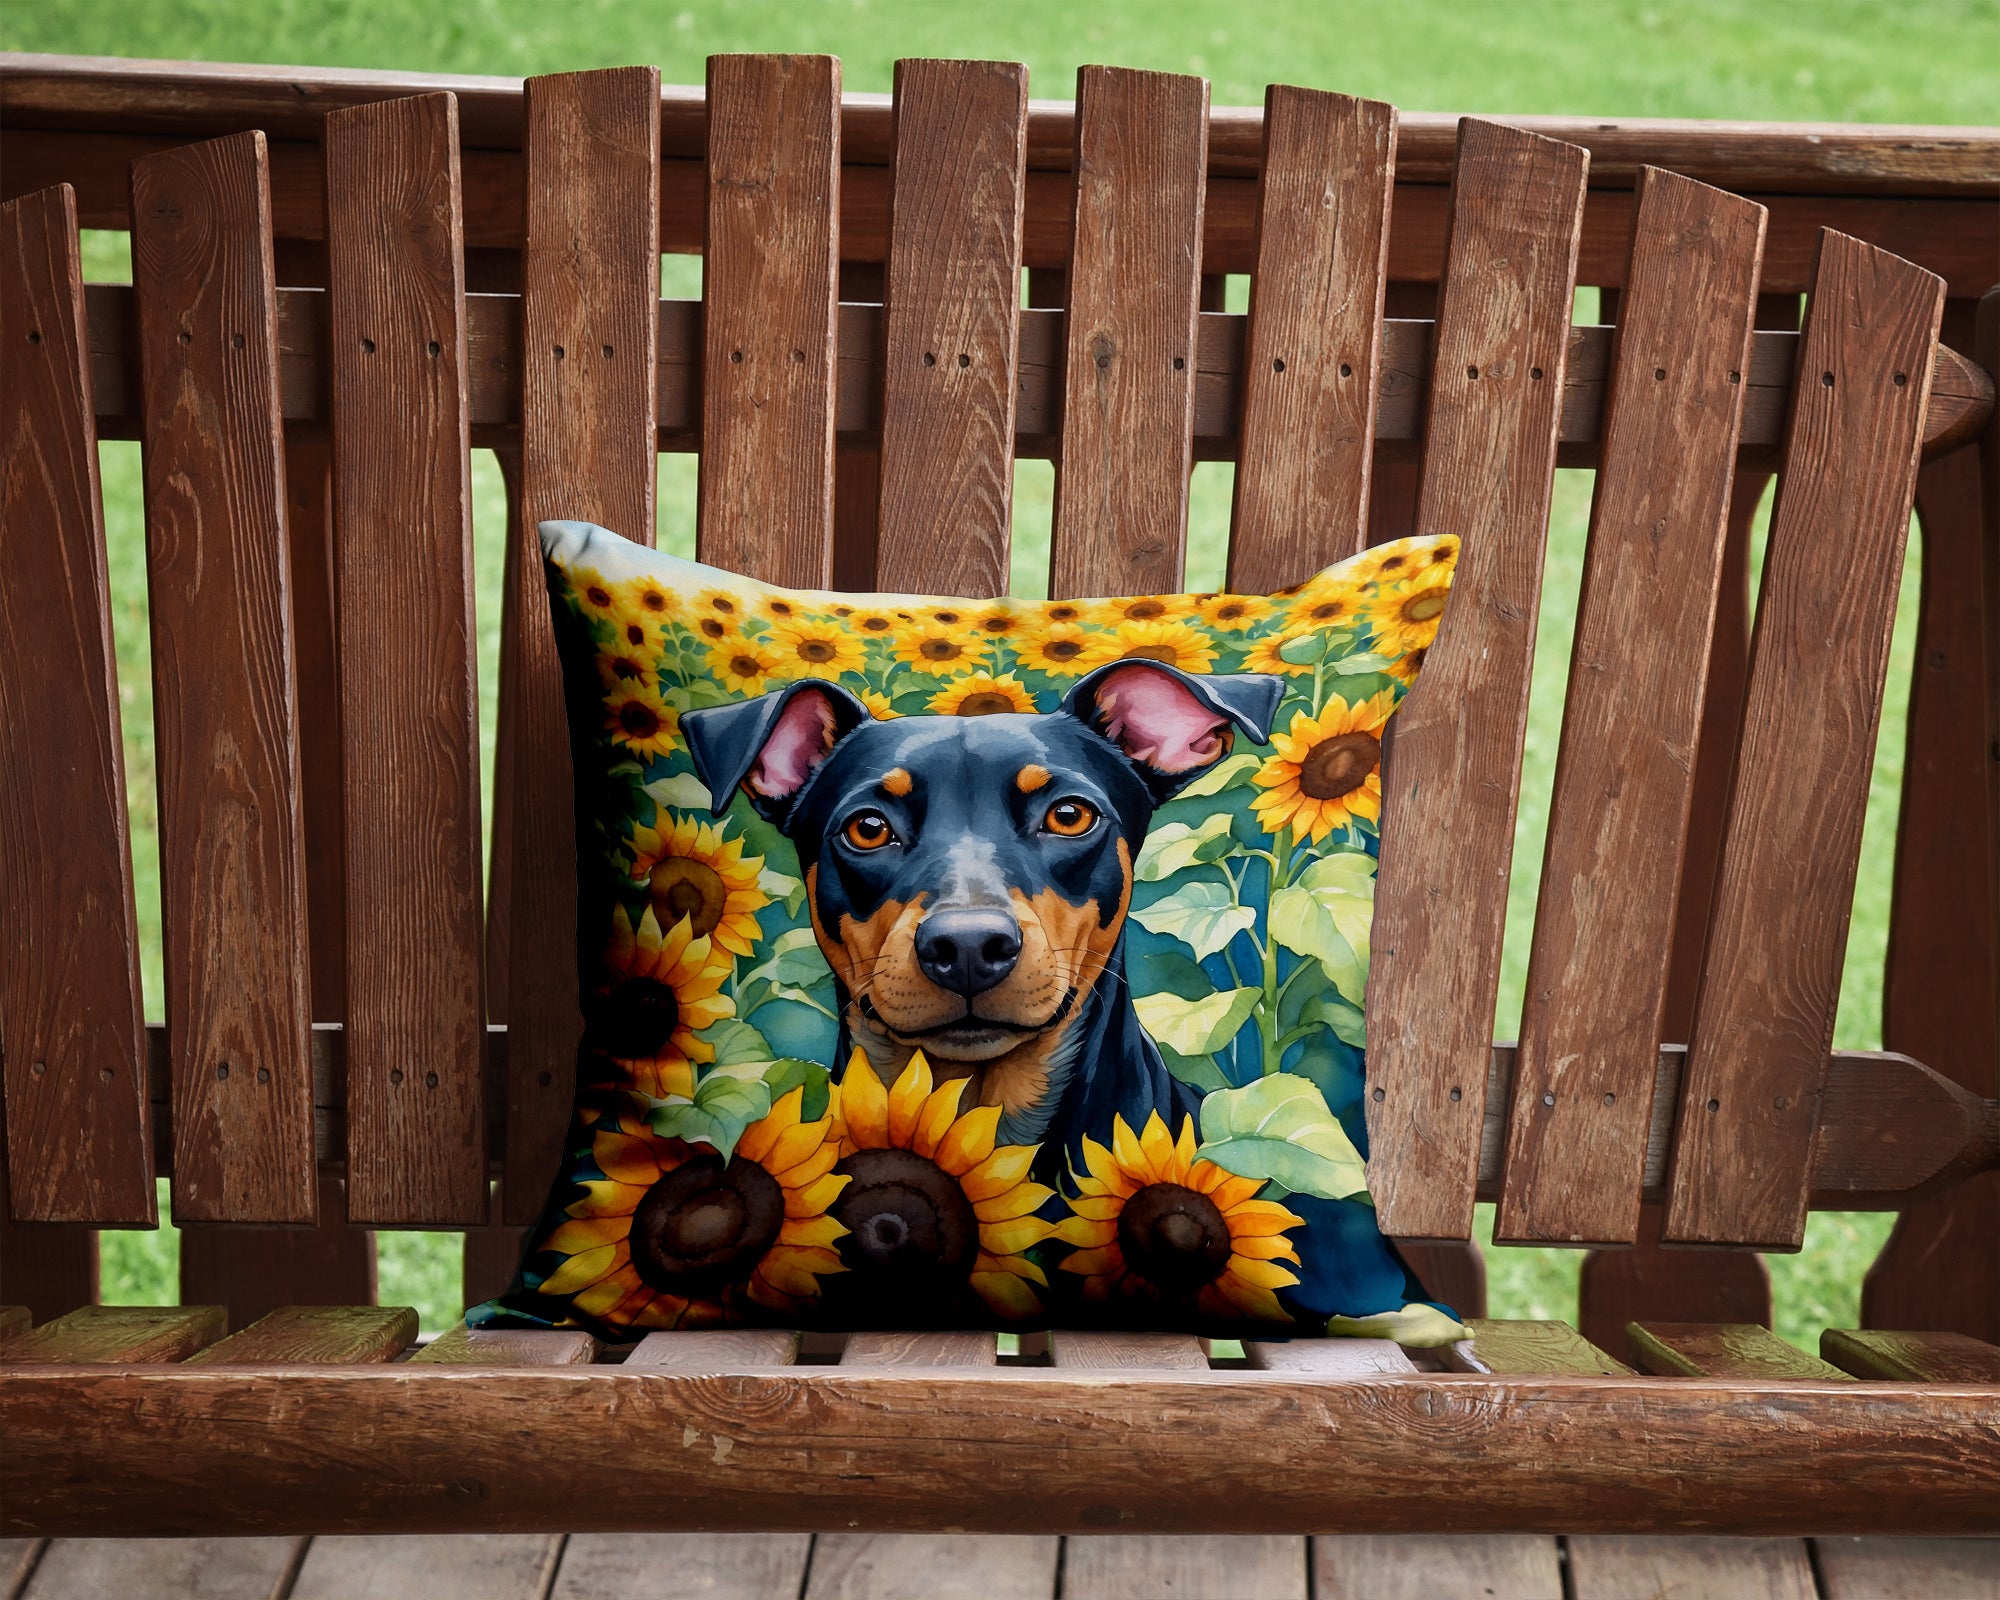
[316, 1335]
[1764, 1017]
[255, 1270]
[489, 1566]
[409, 701]
[410, 1447]
[1129, 335]
[1091, 1349]
[14, 1320]
[48, 1267]
[165, 1569]
[716, 1349]
[1907, 1569]
[491, 1254]
[1449, 792]
[1619, 1566]
[96, 1335]
[715, 1566]
[919, 1350]
[460, 1346]
[1500, 1566]
[1917, 1357]
[1314, 338]
[1646, 1282]
[932, 1566]
[1507, 1347]
[225, 720]
[1213, 1566]
[951, 322]
[1624, 783]
[1454, 1270]
[769, 280]
[1330, 1358]
[1721, 1350]
[589, 350]
[77, 1130]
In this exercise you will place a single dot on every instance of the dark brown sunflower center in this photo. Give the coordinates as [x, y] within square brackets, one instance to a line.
[940, 650]
[691, 889]
[711, 628]
[1146, 610]
[985, 703]
[1339, 765]
[705, 1224]
[1173, 1237]
[1063, 613]
[634, 634]
[598, 596]
[638, 719]
[1231, 611]
[1326, 610]
[1423, 607]
[1063, 649]
[874, 624]
[745, 666]
[817, 651]
[1155, 652]
[906, 1219]
[626, 667]
[653, 600]
[635, 1019]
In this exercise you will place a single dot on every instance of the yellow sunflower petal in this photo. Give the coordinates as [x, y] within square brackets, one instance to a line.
[1013, 1236]
[812, 1198]
[864, 1106]
[968, 1141]
[822, 1230]
[1090, 1263]
[817, 1164]
[1127, 1151]
[1264, 1274]
[587, 1233]
[1000, 1171]
[906, 1101]
[583, 1269]
[1247, 1298]
[1019, 1266]
[935, 1117]
[1085, 1232]
[1157, 1146]
[629, 1159]
[1006, 1295]
[1018, 1201]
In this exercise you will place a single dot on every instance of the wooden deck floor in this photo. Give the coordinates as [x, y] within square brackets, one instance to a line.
[668, 1566]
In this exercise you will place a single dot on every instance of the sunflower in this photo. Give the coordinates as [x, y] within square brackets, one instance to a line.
[1233, 612]
[1142, 608]
[732, 610]
[1172, 642]
[1000, 622]
[871, 623]
[937, 647]
[675, 1236]
[646, 599]
[711, 628]
[815, 647]
[935, 1203]
[981, 695]
[778, 610]
[1322, 606]
[1407, 666]
[636, 717]
[741, 665]
[1405, 615]
[1263, 657]
[691, 870]
[619, 662]
[1066, 611]
[1326, 771]
[663, 988]
[1154, 1227]
[1064, 650]
[877, 703]
[597, 595]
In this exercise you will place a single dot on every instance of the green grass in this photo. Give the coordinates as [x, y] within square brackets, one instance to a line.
[1858, 60]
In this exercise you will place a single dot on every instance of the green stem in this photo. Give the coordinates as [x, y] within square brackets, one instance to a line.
[1267, 1013]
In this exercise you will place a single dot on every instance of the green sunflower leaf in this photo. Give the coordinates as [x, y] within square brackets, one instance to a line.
[1366, 661]
[782, 886]
[734, 1040]
[1175, 846]
[1223, 775]
[726, 1101]
[1203, 916]
[1326, 915]
[788, 1073]
[683, 790]
[1279, 1128]
[1339, 1016]
[794, 960]
[1194, 1028]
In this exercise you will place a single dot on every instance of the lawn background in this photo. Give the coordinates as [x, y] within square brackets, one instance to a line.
[1822, 60]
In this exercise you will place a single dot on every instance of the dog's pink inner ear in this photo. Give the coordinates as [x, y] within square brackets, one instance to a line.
[1153, 718]
[802, 739]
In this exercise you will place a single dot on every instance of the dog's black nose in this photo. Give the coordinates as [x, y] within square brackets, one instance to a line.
[968, 952]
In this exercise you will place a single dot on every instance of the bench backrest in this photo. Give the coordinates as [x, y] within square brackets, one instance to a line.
[306, 460]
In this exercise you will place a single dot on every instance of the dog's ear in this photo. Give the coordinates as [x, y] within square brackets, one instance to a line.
[768, 747]
[1173, 725]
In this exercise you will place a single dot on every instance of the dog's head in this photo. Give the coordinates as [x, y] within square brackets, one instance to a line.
[969, 876]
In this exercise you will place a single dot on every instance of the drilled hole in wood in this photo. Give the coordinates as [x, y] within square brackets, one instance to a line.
[263, 1074]
[185, 337]
[1535, 373]
[1378, 1097]
[367, 347]
[1548, 1099]
[798, 355]
[1472, 372]
[1104, 363]
[1278, 364]
[433, 348]
[1901, 379]
[222, 1071]
[736, 355]
[1659, 374]
[396, 1076]
[1457, 1095]
[544, 1079]
[105, 1074]
[1345, 370]
[1180, 363]
[1826, 380]
[430, 1080]
[1715, 1105]
[930, 358]
[236, 339]
[1611, 1099]
[964, 360]
[34, 336]
[605, 351]
[560, 352]
[40, 1068]
[1736, 377]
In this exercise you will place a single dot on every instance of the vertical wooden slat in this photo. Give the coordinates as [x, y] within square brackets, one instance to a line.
[589, 335]
[1597, 973]
[232, 865]
[1315, 336]
[1764, 1019]
[952, 319]
[252, 1271]
[49, 1267]
[1449, 791]
[770, 277]
[79, 1142]
[1129, 337]
[409, 698]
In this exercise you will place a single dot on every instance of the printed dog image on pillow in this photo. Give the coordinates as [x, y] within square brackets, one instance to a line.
[965, 964]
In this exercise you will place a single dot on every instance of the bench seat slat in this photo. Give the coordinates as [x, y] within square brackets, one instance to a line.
[409, 700]
[319, 1335]
[78, 1137]
[1914, 1357]
[1721, 1350]
[116, 1335]
[254, 1271]
[1508, 1348]
[1750, 1097]
[225, 712]
[1090, 1349]
[509, 1347]
[1449, 789]
[1597, 972]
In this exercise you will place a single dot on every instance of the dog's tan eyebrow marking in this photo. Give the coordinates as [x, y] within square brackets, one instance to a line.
[896, 781]
[1030, 778]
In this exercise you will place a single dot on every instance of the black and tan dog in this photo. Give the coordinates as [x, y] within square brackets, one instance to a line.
[969, 876]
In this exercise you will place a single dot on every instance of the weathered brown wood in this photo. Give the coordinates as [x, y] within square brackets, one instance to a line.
[1597, 972]
[1907, 1569]
[409, 702]
[1454, 1270]
[1139, 1352]
[252, 1271]
[503, 1566]
[716, 1349]
[318, 1335]
[1366, 1566]
[1226, 1566]
[97, 1335]
[1506, 1347]
[919, 1350]
[1721, 1350]
[1645, 1281]
[1764, 1016]
[1619, 1566]
[1915, 1357]
[509, 1347]
[1489, 464]
[1987, 344]
[77, 1134]
[1129, 334]
[991, 1451]
[920, 1566]
[951, 322]
[14, 1320]
[48, 1267]
[716, 1566]
[589, 341]
[1329, 1358]
[492, 1253]
[232, 867]
[183, 1569]
[1314, 337]
[769, 282]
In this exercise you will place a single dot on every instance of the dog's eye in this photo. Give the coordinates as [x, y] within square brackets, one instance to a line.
[1070, 818]
[868, 830]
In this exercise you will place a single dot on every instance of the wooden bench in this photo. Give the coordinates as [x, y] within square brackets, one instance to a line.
[341, 283]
